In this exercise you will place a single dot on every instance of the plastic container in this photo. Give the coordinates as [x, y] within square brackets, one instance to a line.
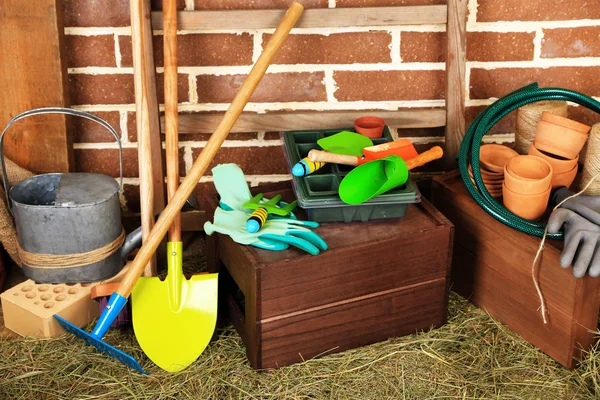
[317, 193]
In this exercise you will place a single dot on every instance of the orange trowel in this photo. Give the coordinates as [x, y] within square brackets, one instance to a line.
[402, 148]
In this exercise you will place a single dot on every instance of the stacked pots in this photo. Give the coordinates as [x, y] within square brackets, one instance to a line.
[558, 140]
[527, 185]
[492, 159]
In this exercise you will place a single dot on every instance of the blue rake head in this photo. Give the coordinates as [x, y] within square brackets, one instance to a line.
[114, 306]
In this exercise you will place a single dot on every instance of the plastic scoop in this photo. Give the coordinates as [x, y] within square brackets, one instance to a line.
[379, 176]
[402, 148]
[345, 142]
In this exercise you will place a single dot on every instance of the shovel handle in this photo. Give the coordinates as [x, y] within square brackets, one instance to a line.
[212, 146]
[325, 156]
[433, 153]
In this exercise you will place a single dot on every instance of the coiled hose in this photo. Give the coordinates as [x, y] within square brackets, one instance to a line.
[469, 149]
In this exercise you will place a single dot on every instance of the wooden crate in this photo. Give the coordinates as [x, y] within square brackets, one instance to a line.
[492, 267]
[377, 280]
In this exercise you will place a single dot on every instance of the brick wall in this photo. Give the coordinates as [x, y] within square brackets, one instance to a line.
[510, 43]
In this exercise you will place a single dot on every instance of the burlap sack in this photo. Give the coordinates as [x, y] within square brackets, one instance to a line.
[8, 235]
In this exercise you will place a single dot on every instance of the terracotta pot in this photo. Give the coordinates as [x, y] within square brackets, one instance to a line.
[564, 178]
[490, 187]
[487, 178]
[528, 175]
[527, 206]
[494, 157]
[558, 140]
[559, 164]
[566, 122]
[371, 127]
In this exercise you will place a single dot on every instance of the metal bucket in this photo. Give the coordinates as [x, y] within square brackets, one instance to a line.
[66, 214]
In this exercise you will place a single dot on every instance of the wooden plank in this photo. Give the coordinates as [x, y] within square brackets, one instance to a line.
[354, 323]
[311, 18]
[492, 267]
[34, 74]
[152, 199]
[191, 221]
[455, 78]
[274, 122]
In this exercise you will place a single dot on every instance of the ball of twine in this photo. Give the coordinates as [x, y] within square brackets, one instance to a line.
[528, 117]
[591, 166]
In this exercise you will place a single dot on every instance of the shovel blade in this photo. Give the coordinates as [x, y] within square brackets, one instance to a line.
[174, 338]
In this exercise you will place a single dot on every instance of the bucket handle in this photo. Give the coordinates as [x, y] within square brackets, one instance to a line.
[57, 110]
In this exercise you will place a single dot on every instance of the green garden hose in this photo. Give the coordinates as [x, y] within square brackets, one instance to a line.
[482, 125]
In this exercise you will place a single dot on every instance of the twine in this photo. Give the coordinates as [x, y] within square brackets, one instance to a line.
[591, 166]
[51, 261]
[541, 250]
[528, 117]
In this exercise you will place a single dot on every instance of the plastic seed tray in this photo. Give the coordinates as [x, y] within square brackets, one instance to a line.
[317, 193]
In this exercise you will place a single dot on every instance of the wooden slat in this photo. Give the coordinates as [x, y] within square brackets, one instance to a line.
[313, 18]
[455, 77]
[273, 122]
[34, 74]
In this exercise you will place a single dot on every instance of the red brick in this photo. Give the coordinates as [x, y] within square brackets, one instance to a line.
[389, 85]
[101, 89]
[421, 132]
[90, 51]
[86, 131]
[211, 49]
[481, 46]
[281, 87]
[498, 82]
[202, 137]
[254, 4]
[157, 4]
[505, 125]
[571, 42]
[96, 13]
[340, 48]
[538, 10]
[272, 135]
[106, 161]
[132, 198]
[131, 127]
[386, 3]
[583, 115]
[252, 160]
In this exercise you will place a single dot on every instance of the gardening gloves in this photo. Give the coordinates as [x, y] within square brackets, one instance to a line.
[277, 233]
[580, 219]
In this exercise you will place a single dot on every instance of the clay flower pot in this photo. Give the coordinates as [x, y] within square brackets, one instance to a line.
[488, 177]
[566, 122]
[564, 178]
[371, 127]
[559, 140]
[559, 164]
[494, 157]
[526, 206]
[528, 175]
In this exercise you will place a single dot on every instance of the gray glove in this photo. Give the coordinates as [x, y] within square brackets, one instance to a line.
[580, 219]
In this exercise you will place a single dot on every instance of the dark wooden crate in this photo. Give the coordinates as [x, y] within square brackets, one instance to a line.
[492, 267]
[377, 280]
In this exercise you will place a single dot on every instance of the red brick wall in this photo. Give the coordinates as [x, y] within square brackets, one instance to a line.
[510, 43]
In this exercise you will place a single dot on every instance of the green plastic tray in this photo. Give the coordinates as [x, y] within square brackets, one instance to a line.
[317, 193]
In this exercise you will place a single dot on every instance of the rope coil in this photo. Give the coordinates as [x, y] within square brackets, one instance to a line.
[52, 261]
[528, 117]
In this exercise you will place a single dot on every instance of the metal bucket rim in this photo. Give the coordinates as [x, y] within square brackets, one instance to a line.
[38, 206]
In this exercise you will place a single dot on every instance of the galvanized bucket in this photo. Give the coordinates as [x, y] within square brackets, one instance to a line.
[68, 214]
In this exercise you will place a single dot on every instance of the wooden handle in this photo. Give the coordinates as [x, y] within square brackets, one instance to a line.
[433, 153]
[211, 148]
[325, 156]
[148, 133]
[171, 116]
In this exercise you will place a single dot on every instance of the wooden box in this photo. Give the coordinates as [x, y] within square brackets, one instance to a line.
[492, 267]
[377, 280]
